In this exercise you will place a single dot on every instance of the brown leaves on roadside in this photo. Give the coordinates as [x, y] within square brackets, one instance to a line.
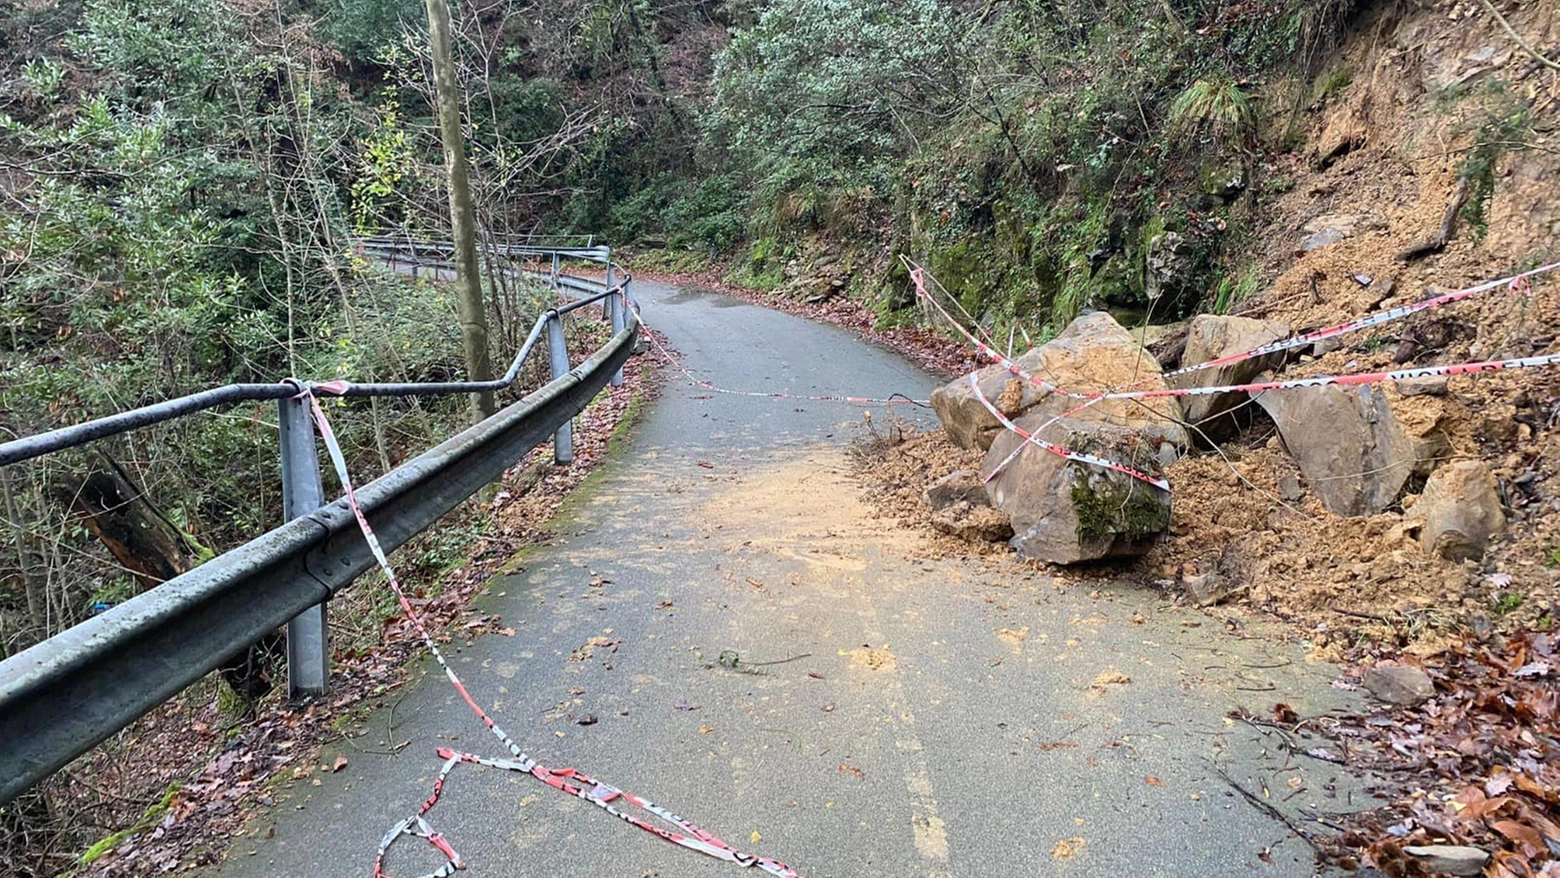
[1152, 781]
[1284, 714]
[1488, 752]
[851, 769]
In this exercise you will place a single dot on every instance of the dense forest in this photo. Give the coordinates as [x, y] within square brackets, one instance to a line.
[182, 181]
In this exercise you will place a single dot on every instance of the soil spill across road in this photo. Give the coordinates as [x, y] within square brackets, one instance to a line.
[761, 652]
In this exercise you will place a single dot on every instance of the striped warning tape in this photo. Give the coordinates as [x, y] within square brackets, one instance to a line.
[568, 780]
[895, 399]
[1519, 283]
[1059, 450]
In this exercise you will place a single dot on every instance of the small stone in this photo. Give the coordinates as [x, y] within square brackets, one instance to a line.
[1399, 684]
[1449, 859]
[1289, 488]
[959, 486]
[1434, 385]
[1208, 589]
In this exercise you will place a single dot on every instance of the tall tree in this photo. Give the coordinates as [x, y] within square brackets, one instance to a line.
[469, 307]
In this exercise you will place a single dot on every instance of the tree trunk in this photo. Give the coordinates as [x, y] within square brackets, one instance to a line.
[134, 531]
[144, 541]
[473, 317]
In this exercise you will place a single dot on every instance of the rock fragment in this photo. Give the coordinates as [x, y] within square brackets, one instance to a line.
[1350, 447]
[1402, 685]
[1092, 353]
[975, 524]
[959, 486]
[1449, 859]
[1458, 511]
[1217, 417]
[1066, 511]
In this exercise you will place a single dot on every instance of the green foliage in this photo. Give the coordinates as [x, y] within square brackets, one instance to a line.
[363, 28]
[1493, 139]
[1233, 289]
[824, 94]
[1509, 602]
[1219, 105]
[764, 266]
[378, 197]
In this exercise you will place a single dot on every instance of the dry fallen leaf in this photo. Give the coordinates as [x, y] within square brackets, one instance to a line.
[1152, 780]
[706, 729]
[1068, 848]
[340, 763]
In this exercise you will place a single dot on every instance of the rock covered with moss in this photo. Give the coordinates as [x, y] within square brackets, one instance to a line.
[1067, 511]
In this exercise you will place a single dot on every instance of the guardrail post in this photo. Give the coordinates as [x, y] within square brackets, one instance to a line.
[617, 307]
[555, 269]
[558, 353]
[308, 635]
[606, 305]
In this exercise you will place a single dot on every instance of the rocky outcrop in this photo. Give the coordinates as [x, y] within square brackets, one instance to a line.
[1458, 511]
[1093, 353]
[1351, 449]
[1217, 417]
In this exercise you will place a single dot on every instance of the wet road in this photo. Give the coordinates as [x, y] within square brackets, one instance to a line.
[915, 715]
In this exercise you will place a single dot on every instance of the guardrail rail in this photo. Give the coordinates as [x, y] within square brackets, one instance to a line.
[63, 696]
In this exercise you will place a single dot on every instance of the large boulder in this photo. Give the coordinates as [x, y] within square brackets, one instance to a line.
[1217, 417]
[1350, 447]
[1458, 511]
[1092, 353]
[1065, 511]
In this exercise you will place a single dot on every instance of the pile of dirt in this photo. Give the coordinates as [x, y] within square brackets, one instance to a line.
[897, 463]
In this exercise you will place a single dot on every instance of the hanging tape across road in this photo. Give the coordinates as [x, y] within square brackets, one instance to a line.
[1058, 450]
[1519, 283]
[892, 399]
[685, 834]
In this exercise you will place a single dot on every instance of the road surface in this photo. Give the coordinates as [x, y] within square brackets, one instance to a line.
[937, 717]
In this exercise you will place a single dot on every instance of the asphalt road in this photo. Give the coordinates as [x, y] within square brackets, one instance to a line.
[918, 715]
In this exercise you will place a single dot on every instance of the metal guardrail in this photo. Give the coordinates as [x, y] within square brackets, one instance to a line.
[61, 697]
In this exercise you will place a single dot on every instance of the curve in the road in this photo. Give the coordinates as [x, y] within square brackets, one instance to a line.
[920, 716]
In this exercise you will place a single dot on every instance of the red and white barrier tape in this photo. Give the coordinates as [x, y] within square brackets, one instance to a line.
[897, 399]
[1519, 283]
[568, 780]
[1059, 450]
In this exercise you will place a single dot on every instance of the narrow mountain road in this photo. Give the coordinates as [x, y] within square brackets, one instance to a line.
[917, 716]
